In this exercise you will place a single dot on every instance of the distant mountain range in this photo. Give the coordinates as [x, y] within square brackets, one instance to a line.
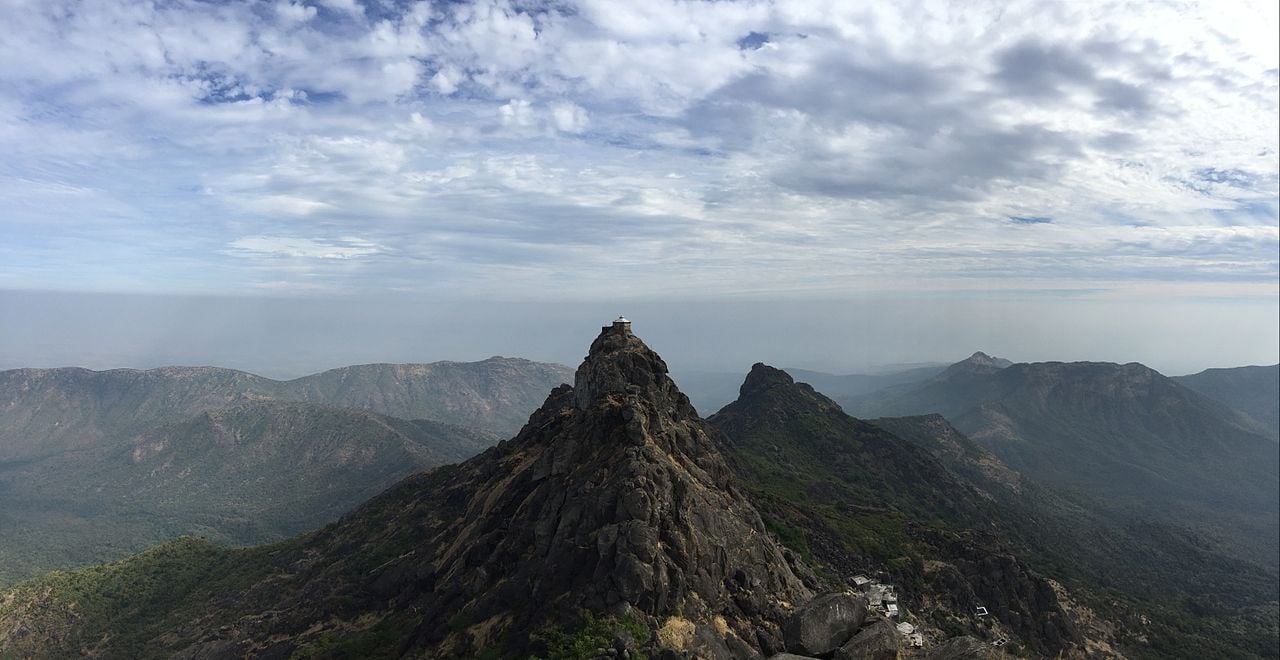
[49, 410]
[1254, 391]
[1123, 433]
[95, 465]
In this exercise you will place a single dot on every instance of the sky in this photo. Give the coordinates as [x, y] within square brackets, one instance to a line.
[830, 185]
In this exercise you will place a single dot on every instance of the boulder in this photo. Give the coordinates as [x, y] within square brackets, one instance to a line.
[821, 625]
[878, 641]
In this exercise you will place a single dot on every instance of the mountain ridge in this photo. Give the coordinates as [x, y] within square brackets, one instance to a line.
[1252, 390]
[864, 500]
[62, 429]
[1125, 432]
[191, 389]
[259, 471]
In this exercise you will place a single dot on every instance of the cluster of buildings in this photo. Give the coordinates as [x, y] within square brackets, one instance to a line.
[880, 597]
[883, 598]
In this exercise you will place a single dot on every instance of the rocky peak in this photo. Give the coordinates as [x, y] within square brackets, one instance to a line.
[619, 367]
[763, 377]
[980, 359]
[978, 363]
[613, 498]
[769, 388]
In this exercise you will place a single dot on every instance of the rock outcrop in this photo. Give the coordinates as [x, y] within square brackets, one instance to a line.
[821, 625]
[963, 648]
[980, 574]
[613, 498]
[878, 641]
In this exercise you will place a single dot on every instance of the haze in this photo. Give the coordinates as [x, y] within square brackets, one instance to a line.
[283, 337]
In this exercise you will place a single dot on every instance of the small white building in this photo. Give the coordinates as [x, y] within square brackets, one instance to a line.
[906, 628]
[861, 582]
[893, 611]
[916, 640]
[982, 611]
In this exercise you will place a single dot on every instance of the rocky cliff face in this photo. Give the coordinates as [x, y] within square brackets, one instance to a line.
[613, 498]
[978, 572]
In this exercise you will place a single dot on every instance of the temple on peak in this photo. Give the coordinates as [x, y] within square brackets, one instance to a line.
[622, 325]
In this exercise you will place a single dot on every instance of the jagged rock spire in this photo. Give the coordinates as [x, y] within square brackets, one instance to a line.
[615, 498]
[620, 364]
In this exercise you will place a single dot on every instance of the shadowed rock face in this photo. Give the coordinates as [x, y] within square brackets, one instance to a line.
[614, 498]
[825, 623]
[963, 648]
[878, 641]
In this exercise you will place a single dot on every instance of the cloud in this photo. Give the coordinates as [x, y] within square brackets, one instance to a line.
[1030, 68]
[294, 12]
[651, 147]
[569, 117]
[305, 248]
[285, 205]
[517, 113]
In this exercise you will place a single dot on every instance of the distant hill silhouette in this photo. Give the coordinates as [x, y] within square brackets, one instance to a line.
[1254, 391]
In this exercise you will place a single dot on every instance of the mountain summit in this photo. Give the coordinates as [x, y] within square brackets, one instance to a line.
[770, 388]
[613, 498]
[644, 518]
[978, 363]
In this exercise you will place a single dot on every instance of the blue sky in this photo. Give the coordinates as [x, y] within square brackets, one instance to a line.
[598, 151]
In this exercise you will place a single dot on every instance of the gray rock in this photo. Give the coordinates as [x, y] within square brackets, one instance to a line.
[821, 625]
[962, 648]
[878, 641]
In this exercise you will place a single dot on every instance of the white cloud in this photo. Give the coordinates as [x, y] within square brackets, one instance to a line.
[482, 138]
[305, 248]
[291, 11]
[569, 117]
[445, 81]
[517, 113]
